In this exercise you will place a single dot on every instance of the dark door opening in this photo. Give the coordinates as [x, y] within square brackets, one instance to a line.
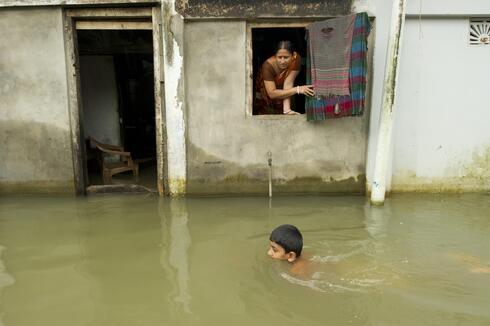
[264, 41]
[117, 93]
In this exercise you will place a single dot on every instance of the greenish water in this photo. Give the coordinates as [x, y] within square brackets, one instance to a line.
[141, 260]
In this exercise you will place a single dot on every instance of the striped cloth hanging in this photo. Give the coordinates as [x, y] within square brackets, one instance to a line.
[318, 108]
[329, 47]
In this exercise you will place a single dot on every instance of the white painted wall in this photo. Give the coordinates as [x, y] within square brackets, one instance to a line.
[381, 10]
[449, 7]
[99, 98]
[435, 59]
[442, 123]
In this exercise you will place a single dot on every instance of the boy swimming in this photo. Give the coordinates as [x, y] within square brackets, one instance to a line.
[286, 243]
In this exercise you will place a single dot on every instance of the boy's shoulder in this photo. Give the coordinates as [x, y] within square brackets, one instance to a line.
[302, 266]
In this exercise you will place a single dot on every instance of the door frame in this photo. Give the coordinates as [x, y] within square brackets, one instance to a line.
[111, 18]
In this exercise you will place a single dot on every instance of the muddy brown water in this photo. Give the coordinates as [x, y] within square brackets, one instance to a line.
[142, 260]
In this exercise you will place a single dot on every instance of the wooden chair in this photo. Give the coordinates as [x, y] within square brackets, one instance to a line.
[108, 169]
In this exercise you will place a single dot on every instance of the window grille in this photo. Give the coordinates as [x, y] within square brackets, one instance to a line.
[479, 31]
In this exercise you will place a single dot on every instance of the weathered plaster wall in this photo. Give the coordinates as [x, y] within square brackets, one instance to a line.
[227, 150]
[442, 123]
[173, 49]
[99, 97]
[35, 147]
[257, 9]
[37, 3]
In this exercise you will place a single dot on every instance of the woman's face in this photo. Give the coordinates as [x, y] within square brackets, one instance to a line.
[283, 57]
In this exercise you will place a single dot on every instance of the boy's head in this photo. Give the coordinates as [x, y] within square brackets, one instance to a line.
[286, 243]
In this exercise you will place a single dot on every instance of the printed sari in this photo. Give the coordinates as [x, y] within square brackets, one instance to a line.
[263, 104]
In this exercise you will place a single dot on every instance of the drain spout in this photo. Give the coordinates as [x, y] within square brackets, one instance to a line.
[269, 162]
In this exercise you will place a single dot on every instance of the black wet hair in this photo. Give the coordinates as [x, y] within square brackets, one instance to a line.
[288, 237]
[286, 45]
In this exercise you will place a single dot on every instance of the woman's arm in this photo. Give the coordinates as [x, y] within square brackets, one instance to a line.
[288, 84]
[280, 94]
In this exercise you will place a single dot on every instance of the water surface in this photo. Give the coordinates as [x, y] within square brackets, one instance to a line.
[142, 260]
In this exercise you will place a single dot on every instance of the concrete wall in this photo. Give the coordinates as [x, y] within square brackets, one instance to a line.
[416, 167]
[442, 129]
[407, 175]
[477, 8]
[438, 145]
[37, 3]
[227, 150]
[99, 98]
[266, 8]
[35, 146]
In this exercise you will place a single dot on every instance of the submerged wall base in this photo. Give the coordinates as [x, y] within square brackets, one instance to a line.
[37, 187]
[241, 184]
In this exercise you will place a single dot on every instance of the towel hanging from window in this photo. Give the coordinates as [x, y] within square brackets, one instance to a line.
[352, 103]
[330, 46]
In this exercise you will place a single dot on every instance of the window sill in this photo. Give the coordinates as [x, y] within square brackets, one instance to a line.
[277, 117]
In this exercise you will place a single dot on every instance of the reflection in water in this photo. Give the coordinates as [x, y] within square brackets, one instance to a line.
[89, 288]
[5, 278]
[176, 241]
[130, 260]
[376, 220]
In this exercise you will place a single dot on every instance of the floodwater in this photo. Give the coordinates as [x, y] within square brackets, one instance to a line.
[141, 260]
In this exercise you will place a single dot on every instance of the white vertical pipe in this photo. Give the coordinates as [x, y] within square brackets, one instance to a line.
[383, 153]
[173, 66]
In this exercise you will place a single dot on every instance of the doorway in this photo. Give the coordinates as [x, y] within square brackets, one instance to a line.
[116, 75]
[115, 99]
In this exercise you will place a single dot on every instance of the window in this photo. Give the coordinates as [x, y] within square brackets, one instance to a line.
[479, 31]
[263, 40]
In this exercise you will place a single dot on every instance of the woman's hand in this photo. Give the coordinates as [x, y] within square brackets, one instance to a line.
[306, 90]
